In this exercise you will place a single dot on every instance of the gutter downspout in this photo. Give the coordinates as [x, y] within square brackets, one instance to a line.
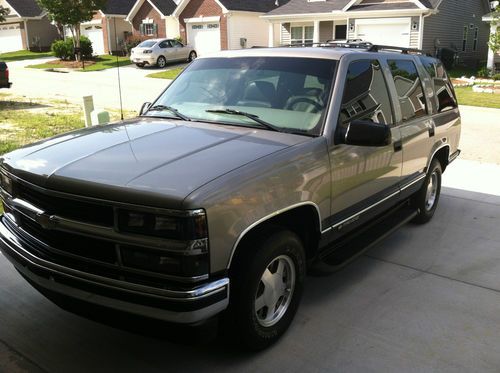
[422, 24]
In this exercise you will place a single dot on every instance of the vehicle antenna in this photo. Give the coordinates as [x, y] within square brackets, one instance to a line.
[119, 78]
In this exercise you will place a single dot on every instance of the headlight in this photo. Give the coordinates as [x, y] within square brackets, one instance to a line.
[148, 51]
[185, 228]
[5, 183]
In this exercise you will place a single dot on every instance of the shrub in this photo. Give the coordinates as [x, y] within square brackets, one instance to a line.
[496, 76]
[132, 42]
[61, 50]
[484, 72]
[64, 49]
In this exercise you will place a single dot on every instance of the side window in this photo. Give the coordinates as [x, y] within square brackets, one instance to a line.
[365, 95]
[175, 43]
[444, 95]
[409, 89]
[165, 44]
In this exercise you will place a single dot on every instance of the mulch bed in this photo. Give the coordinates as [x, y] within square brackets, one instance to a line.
[71, 64]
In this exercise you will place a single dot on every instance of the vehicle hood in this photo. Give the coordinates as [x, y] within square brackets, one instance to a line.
[147, 161]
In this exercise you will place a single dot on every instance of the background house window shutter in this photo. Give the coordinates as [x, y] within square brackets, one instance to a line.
[155, 29]
[141, 28]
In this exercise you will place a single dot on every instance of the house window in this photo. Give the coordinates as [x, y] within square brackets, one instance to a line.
[464, 39]
[302, 34]
[476, 34]
[148, 29]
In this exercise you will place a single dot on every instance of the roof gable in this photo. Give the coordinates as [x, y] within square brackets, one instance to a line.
[164, 7]
[25, 8]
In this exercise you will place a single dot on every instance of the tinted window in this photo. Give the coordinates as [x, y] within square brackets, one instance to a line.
[444, 97]
[291, 93]
[365, 95]
[175, 43]
[409, 89]
[165, 44]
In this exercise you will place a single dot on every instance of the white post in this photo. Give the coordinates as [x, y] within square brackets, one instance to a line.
[88, 108]
[491, 55]
[271, 35]
[316, 32]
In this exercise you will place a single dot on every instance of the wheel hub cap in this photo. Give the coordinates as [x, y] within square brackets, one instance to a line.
[430, 197]
[275, 291]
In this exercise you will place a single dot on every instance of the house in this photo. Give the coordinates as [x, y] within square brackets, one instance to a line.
[493, 62]
[25, 27]
[422, 24]
[208, 25]
[153, 19]
[108, 29]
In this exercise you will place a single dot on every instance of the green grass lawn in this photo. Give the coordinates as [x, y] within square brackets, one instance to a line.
[103, 62]
[466, 96]
[168, 74]
[23, 55]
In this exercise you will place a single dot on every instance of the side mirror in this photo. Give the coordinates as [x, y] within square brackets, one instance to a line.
[144, 108]
[367, 133]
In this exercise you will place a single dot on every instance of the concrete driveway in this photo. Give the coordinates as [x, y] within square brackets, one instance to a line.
[72, 86]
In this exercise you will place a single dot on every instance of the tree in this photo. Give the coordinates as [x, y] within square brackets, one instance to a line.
[494, 42]
[3, 13]
[72, 13]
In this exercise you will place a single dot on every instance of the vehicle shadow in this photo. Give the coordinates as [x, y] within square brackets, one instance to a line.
[20, 105]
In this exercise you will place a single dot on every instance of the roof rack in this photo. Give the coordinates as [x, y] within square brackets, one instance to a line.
[360, 44]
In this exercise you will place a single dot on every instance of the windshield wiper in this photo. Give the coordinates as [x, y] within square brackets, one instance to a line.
[254, 117]
[173, 110]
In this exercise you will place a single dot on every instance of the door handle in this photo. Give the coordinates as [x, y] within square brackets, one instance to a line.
[432, 131]
[398, 145]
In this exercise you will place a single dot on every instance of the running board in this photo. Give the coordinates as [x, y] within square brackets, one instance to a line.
[344, 251]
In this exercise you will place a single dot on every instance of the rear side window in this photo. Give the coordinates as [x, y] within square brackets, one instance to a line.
[365, 95]
[444, 96]
[409, 88]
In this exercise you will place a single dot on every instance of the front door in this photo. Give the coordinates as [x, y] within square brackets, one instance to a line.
[365, 180]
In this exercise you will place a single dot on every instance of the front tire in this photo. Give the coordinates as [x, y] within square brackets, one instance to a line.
[161, 62]
[427, 198]
[267, 287]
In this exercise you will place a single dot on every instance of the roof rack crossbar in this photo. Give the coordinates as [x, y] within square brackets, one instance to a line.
[359, 44]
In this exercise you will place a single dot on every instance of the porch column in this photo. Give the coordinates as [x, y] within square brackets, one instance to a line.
[491, 55]
[271, 35]
[316, 32]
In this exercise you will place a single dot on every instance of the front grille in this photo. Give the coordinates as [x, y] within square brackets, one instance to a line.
[82, 211]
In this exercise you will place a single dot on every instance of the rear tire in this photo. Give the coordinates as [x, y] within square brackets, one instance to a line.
[192, 56]
[427, 198]
[161, 62]
[267, 282]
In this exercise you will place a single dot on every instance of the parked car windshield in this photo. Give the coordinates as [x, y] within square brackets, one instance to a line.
[147, 44]
[288, 93]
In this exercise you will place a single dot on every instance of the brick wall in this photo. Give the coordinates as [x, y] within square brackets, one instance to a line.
[147, 11]
[204, 8]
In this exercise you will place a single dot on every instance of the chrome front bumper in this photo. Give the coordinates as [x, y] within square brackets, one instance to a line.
[179, 306]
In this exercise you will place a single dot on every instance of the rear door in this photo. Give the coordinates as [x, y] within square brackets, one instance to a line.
[365, 180]
[415, 123]
[167, 50]
[180, 52]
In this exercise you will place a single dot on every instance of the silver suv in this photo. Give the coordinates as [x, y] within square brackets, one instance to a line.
[251, 168]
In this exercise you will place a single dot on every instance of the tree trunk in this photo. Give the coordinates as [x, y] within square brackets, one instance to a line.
[76, 41]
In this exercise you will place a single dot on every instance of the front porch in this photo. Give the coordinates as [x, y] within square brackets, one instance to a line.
[493, 58]
[307, 31]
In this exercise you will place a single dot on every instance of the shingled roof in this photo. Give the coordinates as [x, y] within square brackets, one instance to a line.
[305, 7]
[118, 7]
[261, 6]
[26, 8]
[166, 7]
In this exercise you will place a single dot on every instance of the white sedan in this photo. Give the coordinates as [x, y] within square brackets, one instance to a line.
[157, 52]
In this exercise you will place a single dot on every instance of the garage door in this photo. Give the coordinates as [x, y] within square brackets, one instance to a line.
[10, 38]
[204, 37]
[385, 32]
[96, 36]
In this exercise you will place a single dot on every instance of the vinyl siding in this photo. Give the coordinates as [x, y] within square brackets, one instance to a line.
[285, 34]
[249, 26]
[42, 30]
[448, 25]
[325, 31]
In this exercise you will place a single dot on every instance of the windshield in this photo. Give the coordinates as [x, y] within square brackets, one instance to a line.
[147, 44]
[290, 94]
